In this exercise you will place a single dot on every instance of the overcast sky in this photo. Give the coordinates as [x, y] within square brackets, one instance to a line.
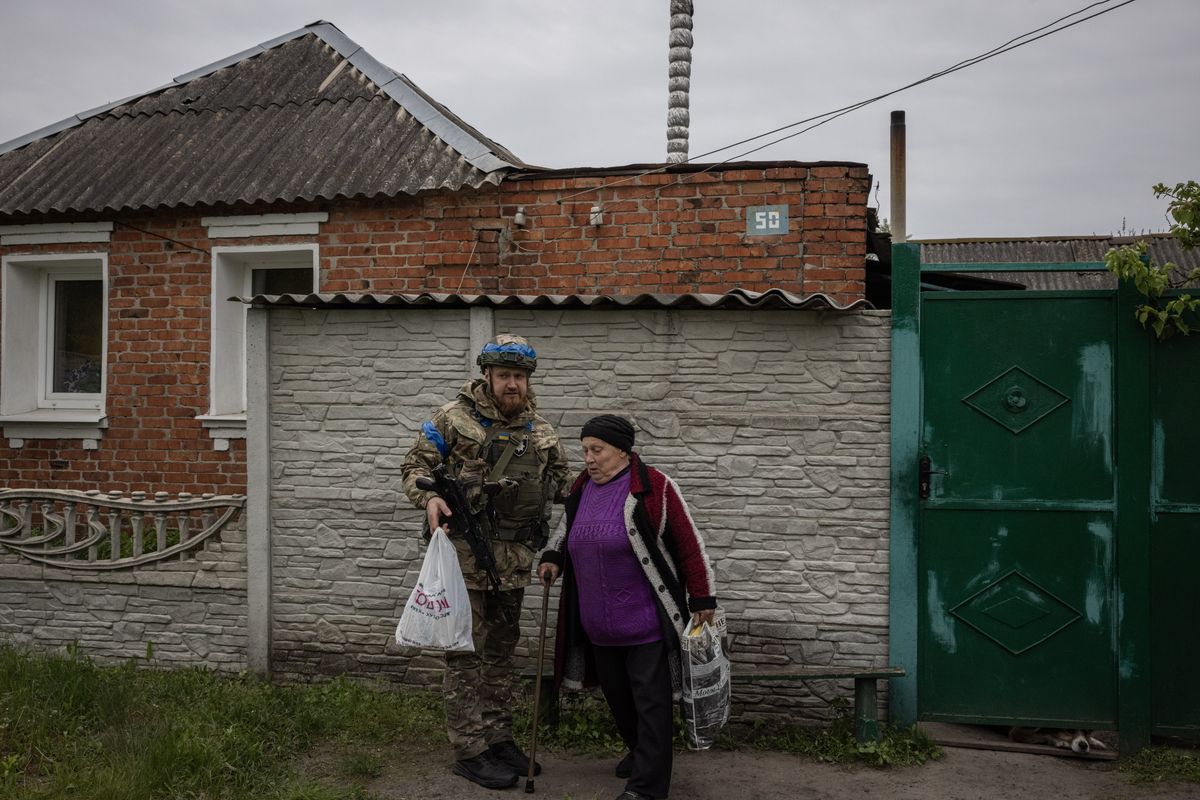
[1063, 136]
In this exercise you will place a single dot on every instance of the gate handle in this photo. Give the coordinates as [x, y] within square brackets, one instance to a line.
[924, 470]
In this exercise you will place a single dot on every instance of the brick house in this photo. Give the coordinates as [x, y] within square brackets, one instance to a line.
[383, 239]
[304, 165]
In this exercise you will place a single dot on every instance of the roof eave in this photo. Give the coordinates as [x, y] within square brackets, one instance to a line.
[475, 152]
[736, 298]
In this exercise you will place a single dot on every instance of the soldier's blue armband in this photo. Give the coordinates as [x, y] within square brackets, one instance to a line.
[435, 437]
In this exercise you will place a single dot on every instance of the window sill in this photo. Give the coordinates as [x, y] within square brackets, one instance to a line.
[55, 423]
[223, 427]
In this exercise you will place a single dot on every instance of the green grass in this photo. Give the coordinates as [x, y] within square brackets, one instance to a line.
[1158, 764]
[585, 726]
[897, 747]
[71, 728]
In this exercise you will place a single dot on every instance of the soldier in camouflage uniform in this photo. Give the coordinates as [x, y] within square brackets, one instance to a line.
[489, 432]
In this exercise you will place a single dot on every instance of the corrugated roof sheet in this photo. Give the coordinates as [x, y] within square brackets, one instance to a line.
[307, 116]
[1163, 248]
[734, 299]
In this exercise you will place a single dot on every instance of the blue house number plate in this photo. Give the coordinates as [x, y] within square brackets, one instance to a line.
[766, 220]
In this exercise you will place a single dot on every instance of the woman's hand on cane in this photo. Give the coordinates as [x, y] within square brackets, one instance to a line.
[547, 573]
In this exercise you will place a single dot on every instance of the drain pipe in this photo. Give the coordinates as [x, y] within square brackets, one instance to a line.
[899, 179]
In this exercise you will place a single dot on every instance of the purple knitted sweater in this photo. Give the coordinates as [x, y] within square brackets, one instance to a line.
[616, 606]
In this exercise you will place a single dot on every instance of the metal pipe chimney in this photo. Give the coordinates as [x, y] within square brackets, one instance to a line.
[679, 81]
[899, 220]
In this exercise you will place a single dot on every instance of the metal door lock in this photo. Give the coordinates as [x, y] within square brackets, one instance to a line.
[924, 470]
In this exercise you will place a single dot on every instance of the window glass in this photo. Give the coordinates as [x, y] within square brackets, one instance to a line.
[78, 337]
[285, 280]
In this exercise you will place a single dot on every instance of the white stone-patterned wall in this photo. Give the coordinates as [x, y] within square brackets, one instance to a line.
[774, 424]
[177, 613]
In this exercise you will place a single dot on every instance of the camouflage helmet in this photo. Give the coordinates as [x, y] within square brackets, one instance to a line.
[507, 350]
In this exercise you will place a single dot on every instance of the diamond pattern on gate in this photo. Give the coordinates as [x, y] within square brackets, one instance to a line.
[1015, 613]
[1015, 399]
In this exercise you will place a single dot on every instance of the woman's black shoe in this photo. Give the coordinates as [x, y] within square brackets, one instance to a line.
[625, 766]
[628, 795]
[486, 770]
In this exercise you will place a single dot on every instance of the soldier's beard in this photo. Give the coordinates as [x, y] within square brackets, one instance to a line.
[510, 403]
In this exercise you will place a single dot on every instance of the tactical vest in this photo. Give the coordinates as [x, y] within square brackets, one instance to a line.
[516, 514]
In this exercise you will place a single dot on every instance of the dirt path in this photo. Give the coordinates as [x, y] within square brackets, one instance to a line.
[721, 775]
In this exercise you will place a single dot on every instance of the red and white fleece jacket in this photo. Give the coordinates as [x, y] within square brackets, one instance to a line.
[671, 552]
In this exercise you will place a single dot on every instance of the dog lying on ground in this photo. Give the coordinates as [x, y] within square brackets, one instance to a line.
[1080, 741]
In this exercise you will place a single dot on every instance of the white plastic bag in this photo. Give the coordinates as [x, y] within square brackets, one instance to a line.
[705, 683]
[438, 613]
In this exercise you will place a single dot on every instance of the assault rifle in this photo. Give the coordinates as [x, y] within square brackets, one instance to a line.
[465, 524]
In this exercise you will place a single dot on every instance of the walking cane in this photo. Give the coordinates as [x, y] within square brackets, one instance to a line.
[537, 687]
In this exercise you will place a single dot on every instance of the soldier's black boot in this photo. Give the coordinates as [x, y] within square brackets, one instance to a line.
[511, 755]
[486, 770]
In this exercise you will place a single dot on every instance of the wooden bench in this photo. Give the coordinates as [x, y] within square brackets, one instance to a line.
[866, 724]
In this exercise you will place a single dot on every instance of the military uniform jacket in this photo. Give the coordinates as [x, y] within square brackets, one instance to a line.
[461, 434]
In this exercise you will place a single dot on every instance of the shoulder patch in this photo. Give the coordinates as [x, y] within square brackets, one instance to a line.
[435, 437]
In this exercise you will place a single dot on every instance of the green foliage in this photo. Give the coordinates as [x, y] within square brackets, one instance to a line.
[1184, 210]
[71, 728]
[1158, 764]
[149, 544]
[584, 725]
[358, 763]
[836, 744]
[1176, 313]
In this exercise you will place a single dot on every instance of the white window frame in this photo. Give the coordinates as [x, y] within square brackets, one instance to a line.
[28, 407]
[231, 275]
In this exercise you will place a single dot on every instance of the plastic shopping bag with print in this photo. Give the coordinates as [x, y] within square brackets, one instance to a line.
[438, 613]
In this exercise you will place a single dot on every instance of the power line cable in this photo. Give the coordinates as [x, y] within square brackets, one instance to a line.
[828, 116]
[1002, 49]
[820, 119]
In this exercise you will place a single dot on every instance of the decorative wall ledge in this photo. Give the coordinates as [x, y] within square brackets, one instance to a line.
[223, 427]
[56, 233]
[55, 423]
[243, 226]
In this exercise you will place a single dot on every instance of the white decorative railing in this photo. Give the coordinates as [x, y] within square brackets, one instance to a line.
[93, 530]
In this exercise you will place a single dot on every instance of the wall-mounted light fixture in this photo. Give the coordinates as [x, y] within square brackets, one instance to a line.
[519, 217]
[597, 215]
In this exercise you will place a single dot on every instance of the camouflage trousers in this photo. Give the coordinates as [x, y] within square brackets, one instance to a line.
[478, 687]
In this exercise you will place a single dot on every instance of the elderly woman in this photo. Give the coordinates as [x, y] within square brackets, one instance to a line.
[634, 569]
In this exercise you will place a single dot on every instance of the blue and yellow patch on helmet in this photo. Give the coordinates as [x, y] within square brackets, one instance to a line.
[509, 354]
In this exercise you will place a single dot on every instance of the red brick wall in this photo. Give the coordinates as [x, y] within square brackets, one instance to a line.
[670, 233]
[157, 375]
[666, 233]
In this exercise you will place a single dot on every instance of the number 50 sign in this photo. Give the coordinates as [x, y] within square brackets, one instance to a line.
[766, 220]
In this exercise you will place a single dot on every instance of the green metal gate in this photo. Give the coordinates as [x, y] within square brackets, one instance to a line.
[1175, 537]
[1045, 525]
